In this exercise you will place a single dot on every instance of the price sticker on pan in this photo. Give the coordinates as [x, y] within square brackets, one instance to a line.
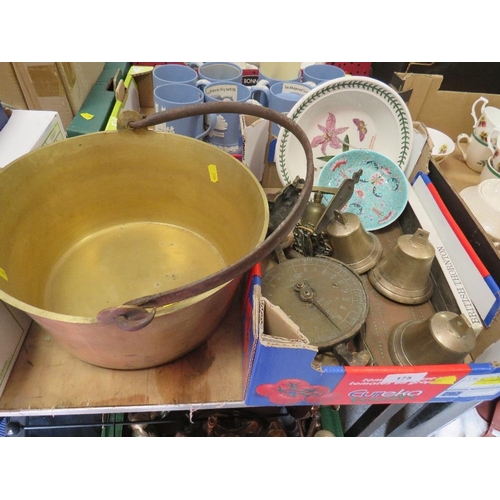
[212, 172]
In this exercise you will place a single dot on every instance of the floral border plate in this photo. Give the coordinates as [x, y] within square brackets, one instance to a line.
[381, 194]
[343, 114]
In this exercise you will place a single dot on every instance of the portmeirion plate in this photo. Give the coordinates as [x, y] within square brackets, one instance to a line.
[343, 114]
[380, 195]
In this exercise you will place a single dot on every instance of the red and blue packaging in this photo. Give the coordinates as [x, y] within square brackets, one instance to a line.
[281, 368]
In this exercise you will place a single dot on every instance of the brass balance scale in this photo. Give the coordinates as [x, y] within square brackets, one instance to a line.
[320, 294]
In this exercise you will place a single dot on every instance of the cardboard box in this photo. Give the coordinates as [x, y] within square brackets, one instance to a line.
[78, 78]
[10, 90]
[54, 86]
[27, 130]
[447, 111]
[280, 368]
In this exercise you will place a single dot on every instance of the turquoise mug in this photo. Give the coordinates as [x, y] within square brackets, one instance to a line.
[226, 133]
[174, 95]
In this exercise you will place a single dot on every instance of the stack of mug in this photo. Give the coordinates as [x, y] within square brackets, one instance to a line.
[480, 150]
[178, 85]
[284, 84]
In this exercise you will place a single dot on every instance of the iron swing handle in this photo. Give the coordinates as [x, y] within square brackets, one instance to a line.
[134, 314]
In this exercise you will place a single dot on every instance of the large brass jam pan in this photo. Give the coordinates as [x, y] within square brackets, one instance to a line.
[97, 229]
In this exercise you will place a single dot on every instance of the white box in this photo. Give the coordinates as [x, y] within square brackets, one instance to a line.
[27, 130]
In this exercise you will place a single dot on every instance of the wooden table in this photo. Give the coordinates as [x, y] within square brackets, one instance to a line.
[47, 380]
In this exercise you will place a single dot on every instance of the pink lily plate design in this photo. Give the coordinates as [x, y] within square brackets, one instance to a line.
[329, 136]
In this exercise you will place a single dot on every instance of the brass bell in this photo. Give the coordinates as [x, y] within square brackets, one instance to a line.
[313, 211]
[444, 338]
[351, 244]
[403, 275]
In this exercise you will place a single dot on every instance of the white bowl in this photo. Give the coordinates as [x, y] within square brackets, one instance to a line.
[483, 201]
[443, 146]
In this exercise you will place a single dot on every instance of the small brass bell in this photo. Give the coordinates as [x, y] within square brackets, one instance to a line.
[313, 211]
[444, 338]
[351, 244]
[403, 275]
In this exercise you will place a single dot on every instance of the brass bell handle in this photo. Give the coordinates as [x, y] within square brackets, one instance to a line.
[124, 315]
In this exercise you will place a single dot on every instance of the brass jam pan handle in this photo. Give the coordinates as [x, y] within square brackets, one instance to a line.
[133, 315]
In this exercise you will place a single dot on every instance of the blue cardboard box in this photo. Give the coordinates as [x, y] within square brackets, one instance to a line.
[280, 366]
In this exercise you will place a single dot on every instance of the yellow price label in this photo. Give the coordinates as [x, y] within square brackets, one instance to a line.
[450, 380]
[3, 274]
[492, 380]
[87, 116]
[212, 172]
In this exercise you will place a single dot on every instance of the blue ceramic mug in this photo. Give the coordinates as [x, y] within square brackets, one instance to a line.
[174, 73]
[226, 134]
[266, 80]
[174, 95]
[281, 97]
[211, 72]
[319, 73]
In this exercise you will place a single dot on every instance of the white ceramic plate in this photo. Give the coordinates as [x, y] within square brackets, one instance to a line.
[359, 111]
[483, 201]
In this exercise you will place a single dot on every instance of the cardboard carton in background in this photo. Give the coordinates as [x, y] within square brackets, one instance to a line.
[50, 86]
[10, 90]
[447, 111]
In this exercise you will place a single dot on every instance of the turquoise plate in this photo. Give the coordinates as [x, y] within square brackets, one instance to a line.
[381, 194]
